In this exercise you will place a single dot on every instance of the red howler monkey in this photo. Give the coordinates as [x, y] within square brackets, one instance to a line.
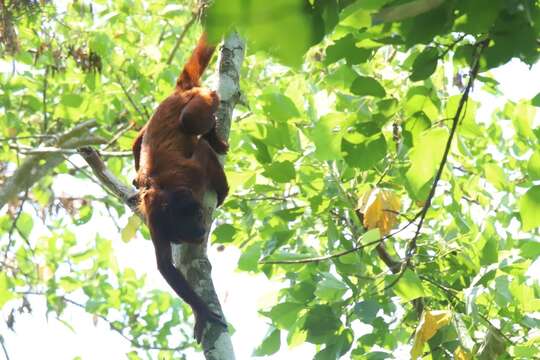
[176, 163]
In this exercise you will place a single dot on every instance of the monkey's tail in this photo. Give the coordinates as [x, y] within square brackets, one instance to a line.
[197, 63]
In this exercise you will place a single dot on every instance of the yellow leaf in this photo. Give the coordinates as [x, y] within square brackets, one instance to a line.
[130, 230]
[462, 354]
[430, 323]
[380, 209]
[44, 272]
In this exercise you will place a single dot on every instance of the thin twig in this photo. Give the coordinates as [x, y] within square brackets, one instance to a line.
[451, 295]
[15, 138]
[342, 253]
[118, 135]
[45, 87]
[269, 197]
[144, 115]
[14, 223]
[411, 248]
[6, 354]
[88, 175]
[181, 37]
[132, 341]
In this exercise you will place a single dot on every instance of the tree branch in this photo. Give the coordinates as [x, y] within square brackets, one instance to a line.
[36, 166]
[27, 150]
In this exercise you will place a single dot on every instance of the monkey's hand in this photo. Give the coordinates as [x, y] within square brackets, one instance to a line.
[203, 316]
[219, 145]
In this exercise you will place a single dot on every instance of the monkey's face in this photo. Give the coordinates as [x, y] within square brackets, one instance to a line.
[173, 215]
[188, 217]
[191, 222]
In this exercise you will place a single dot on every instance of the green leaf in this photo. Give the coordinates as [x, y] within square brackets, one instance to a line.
[524, 297]
[345, 48]
[419, 98]
[493, 346]
[367, 86]
[25, 224]
[408, 10]
[423, 28]
[409, 286]
[320, 323]
[224, 233]
[467, 125]
[495, 175]
[414, 127]
[490, 252]
[529, 208]
[388, 107]
[425, 157]
[101, 44]
[326, 135]
[363, 152]
[279, 107]
[5, 291]
[270, 344]
[69, 284]
[280, 172]
[533, 166]
[71, 100]
[478, 15]
[535, 101]
[425, 64]
[330, 288]
[464, 336]
[522, 116]
[84, 215]
[367, 310]
[249, 260]
[285, 314]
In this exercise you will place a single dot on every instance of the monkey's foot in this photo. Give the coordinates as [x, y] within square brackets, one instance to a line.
[200, 322]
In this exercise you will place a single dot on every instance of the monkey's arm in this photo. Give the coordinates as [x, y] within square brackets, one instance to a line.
[214, 170]
[136, 147]
[179, 284]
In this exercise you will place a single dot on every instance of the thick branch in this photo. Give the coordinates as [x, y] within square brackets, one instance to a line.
[37, 166]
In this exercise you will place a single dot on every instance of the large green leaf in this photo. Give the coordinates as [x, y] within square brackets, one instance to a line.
[270, 344]
[425, 64]
[529, 208]
[367, 86]
[409, 286]
[425, 157]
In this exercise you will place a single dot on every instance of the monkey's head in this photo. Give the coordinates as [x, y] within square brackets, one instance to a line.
[175, 215]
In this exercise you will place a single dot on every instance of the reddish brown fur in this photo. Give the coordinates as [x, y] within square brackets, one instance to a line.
[176, 163]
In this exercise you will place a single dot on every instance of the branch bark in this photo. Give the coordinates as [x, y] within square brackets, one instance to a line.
[35, 167]
[191, 259]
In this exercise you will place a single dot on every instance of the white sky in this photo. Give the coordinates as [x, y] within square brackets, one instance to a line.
[241, 294]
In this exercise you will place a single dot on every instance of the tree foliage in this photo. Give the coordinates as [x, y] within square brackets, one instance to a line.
[364, 176]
